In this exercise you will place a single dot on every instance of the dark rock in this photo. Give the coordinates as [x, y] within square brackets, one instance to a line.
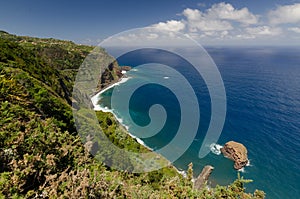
[110, 75]
[91, 146]
[126, 68]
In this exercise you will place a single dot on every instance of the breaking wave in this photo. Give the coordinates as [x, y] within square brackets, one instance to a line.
[215, 148]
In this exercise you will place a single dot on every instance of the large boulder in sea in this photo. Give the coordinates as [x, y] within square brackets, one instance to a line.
[236, 152]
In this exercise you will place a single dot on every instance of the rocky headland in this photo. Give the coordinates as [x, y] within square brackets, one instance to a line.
[202, 179]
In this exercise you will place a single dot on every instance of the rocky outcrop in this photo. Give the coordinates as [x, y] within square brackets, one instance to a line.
[236, 152]
[91, 146]
[201, 180]
[125, 68]
[110, 75]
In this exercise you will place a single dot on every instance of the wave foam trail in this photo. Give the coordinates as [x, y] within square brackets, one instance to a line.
[95, 99]
[242, 170]
[215, 148]
[248, 164]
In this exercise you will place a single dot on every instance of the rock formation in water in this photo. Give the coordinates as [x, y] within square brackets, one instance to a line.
[125, 68]
[201, 180]
[236, 152]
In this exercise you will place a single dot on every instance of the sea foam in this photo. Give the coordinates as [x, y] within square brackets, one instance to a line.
[242, 170]
[97, 107]
[215, 148]
[95, 99]
[249, 164]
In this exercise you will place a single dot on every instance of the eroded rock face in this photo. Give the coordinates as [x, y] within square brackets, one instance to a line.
[110, 75]
[203, 177]
[236, 152]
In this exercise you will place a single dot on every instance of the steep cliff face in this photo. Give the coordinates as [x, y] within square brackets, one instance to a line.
[236, 152]
[41, 155]
[111, 74]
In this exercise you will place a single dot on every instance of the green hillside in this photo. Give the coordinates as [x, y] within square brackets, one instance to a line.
[41, 154]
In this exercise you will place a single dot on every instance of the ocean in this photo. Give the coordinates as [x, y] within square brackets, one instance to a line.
[263, 112]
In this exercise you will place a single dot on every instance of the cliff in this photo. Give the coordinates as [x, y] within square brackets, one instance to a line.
[111, 74]
[41, 154]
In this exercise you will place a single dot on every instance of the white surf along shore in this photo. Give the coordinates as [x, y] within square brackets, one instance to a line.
[214, 147]
[97, 107]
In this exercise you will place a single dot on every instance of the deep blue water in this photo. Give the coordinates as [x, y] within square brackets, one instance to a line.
[263, 112]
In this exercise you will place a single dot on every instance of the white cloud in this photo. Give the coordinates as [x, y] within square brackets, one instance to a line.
[152, 36]
[224, 33]
[228, 12]
[171, 25]
[294, 29]
[127, 38]
[263, 31]
[217, 18]
[223, 23]
[191, 14]
[285, 14]
[199, 21]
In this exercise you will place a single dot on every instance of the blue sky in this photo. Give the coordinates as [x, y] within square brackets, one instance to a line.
[209, 22]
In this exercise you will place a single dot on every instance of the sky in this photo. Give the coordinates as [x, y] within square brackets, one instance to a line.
[210, 22]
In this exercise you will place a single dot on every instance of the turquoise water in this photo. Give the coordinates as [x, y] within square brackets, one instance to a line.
[263, 112]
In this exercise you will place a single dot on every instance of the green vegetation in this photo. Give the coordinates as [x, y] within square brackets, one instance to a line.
[41, 155]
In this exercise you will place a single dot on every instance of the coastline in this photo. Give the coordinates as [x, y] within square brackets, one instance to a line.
[95, 99]
[214, 147]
